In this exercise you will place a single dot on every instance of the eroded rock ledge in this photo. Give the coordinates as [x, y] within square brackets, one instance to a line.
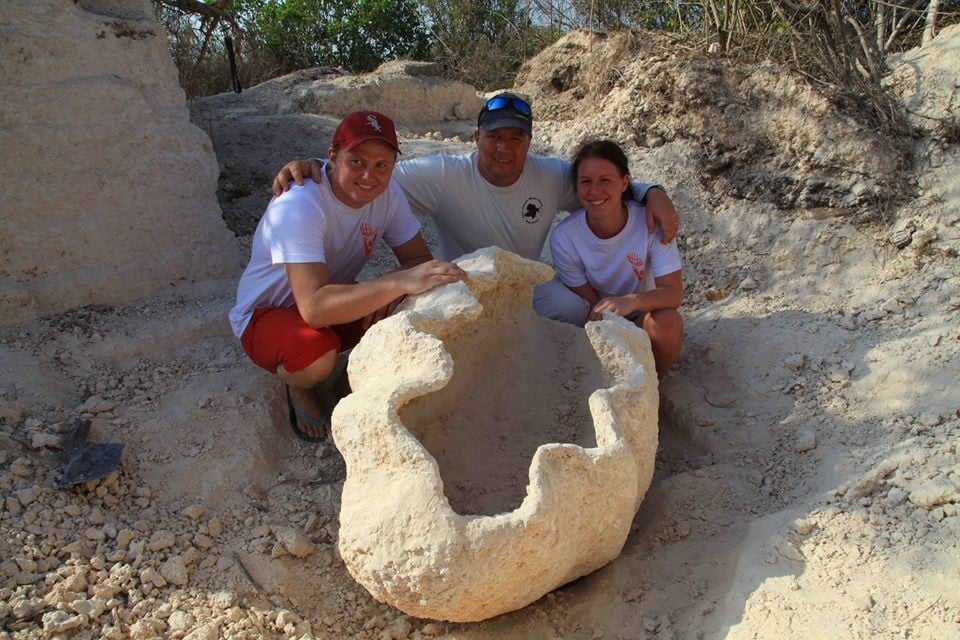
[472, 487]
[127, 209]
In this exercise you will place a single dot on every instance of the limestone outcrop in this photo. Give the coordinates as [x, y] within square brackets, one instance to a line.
[492, 455]
[109, 191]
[925, 79]
[397, 87]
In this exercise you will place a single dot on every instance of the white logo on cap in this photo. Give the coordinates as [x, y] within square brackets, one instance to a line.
[373, 123]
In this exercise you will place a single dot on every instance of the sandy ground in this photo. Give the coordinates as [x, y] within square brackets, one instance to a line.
[808, 478]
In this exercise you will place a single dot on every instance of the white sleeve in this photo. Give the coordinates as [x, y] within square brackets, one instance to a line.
[295, 227]
[639, 190]
[422, 182]
[664, 258]
[402, 225]
[566, 260]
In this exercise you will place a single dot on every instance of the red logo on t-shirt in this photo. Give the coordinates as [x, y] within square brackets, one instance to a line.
[369, 235]
[636, 262]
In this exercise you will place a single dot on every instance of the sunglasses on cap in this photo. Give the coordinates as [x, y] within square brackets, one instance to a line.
[502, 102]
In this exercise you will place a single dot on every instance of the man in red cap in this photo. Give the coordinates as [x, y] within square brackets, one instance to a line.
[298, 302]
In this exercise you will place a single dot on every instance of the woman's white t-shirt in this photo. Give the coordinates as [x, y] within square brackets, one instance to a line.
[625, 263]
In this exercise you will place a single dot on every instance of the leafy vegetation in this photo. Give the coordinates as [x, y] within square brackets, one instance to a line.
[841, 44]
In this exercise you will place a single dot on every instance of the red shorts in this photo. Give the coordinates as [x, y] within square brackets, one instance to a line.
[280, 336]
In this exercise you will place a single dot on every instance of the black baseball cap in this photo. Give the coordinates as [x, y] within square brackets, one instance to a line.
[506, 110]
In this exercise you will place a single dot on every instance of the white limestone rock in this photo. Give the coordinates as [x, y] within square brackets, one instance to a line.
[175, 570]
[293, 542]
[109, 189]
[465, 497]
[393, 87]
[927, 103]
[60, 621]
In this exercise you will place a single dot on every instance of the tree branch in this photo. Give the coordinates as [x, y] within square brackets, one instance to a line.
[222, 9]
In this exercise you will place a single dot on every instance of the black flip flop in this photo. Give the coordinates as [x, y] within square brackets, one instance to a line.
[296, 413]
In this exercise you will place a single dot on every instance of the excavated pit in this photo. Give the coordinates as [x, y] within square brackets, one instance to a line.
[511, 391]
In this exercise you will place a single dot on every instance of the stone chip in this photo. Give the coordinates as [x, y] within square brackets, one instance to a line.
[294, 542]
[175, 570]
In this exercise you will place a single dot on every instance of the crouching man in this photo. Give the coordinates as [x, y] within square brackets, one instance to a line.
[298, 302]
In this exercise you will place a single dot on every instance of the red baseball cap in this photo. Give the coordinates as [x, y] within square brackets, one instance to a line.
[361, 126]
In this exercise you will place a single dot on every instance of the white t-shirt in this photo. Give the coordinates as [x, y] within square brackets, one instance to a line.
[470, 213]
[625, 263]
[308, 224]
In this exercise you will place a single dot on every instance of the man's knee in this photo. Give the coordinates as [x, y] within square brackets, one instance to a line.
[555, 301]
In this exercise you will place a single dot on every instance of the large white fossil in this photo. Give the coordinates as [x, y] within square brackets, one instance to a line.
[477, 480]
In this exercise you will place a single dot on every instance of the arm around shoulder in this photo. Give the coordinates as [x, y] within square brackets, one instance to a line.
[294, 172]
[660, 210]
